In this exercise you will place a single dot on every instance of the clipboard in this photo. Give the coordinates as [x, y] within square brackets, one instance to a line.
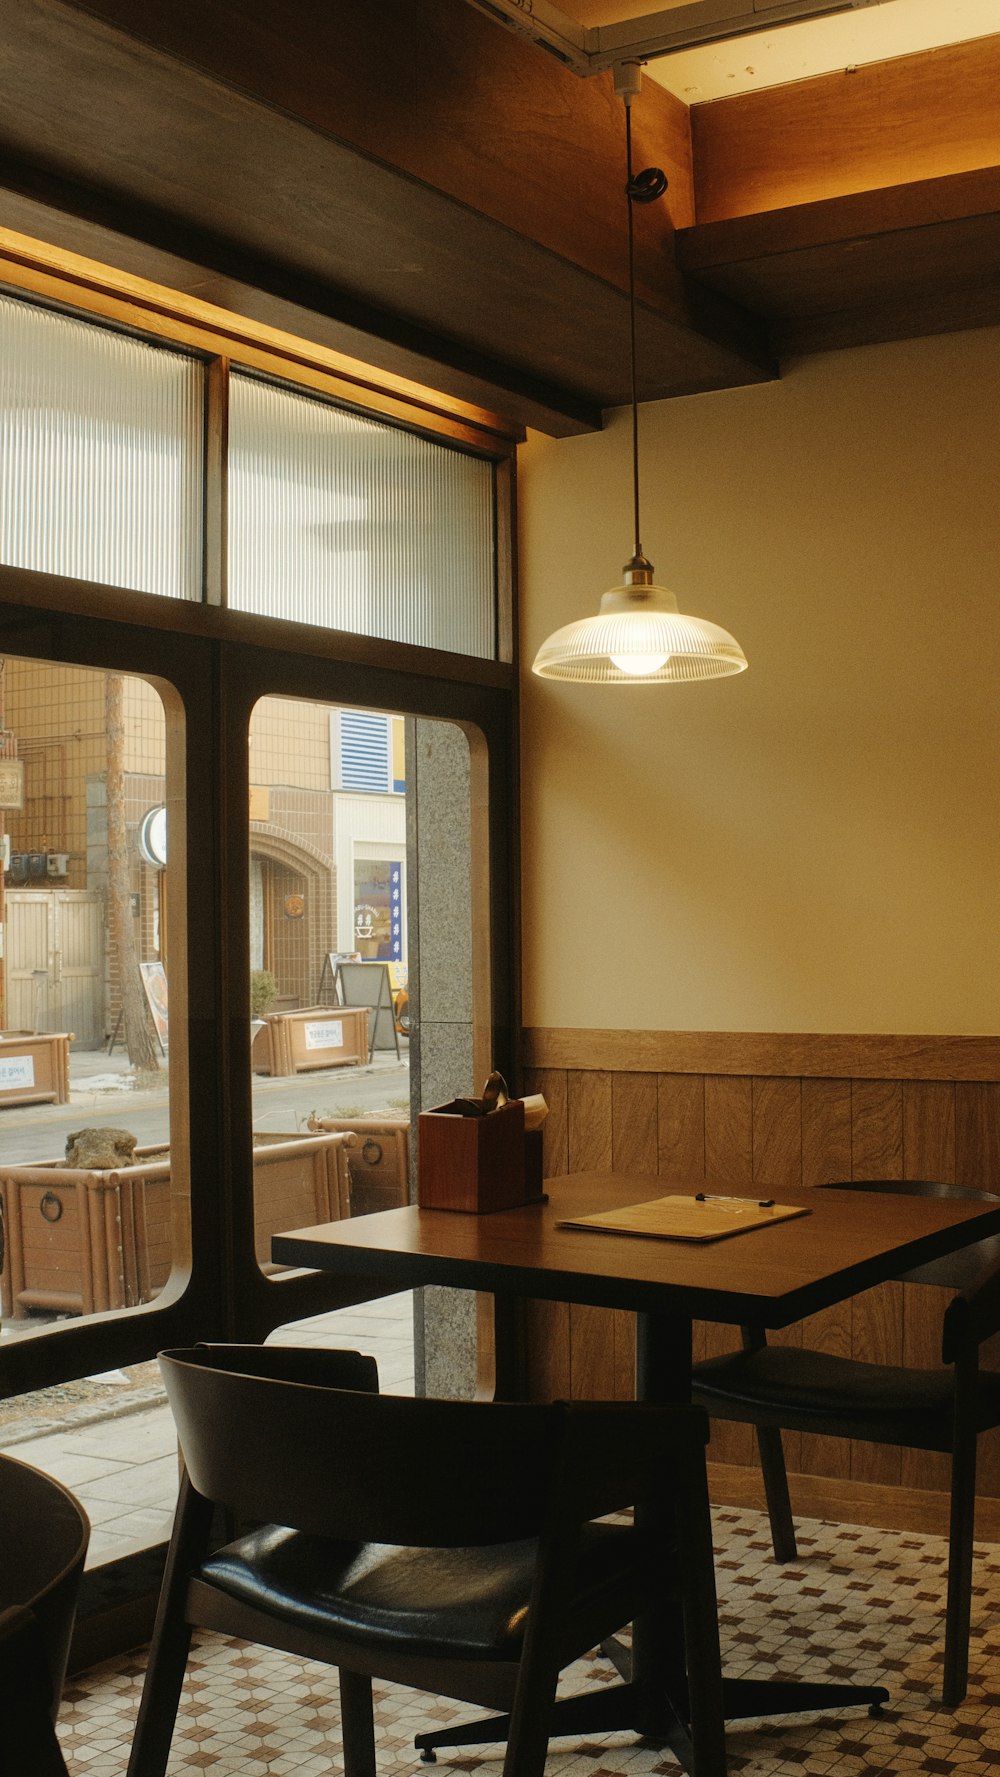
[702, 1217]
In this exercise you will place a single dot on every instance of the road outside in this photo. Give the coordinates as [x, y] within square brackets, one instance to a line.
[102, 1092]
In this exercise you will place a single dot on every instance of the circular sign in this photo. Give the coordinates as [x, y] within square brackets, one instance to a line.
[153, 836]
[294, 906]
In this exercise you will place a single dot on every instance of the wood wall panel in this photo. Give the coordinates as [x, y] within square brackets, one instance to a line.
[826, 1131]
[776, 1132]
[635, 1148]
[928, 1153]
[729, 1130]
[634, 1113]
[929, 1130]
[977, 1162]
[681, 1127]
[728, 1166]
[977, 1134]
[553, 1084]
[877, 1129]
[740, 1130]
[876, 1315]
[681, 1145]
[593, 1374]
[776, 1139]
[826, 1157]
[546, 1324]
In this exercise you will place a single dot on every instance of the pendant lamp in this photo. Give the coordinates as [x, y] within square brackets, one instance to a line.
[639, 637]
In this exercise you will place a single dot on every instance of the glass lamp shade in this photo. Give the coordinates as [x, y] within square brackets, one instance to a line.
[639, 638]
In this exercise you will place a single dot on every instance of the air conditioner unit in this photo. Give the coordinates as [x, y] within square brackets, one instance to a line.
[57, 863]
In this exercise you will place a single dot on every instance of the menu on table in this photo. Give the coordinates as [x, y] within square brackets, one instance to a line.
[701, 1217]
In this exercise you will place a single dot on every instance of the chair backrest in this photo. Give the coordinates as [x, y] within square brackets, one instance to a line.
[44, 1534]
[960, 1270]
[383, 1468]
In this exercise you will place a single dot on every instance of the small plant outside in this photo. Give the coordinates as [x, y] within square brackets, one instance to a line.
[263, 992]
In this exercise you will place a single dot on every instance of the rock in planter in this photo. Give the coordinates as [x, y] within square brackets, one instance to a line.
[100, 1148]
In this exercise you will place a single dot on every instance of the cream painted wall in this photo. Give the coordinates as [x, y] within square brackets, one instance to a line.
[814, 845]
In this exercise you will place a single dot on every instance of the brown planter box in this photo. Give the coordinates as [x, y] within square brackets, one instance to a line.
[318, 1036]
[81, 1241]
[34, 1067]
[376, 1170]
[71, 1245]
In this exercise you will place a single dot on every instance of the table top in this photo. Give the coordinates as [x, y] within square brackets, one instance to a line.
[769, 1276]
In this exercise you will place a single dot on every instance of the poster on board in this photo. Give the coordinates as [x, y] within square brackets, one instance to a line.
[154, 980]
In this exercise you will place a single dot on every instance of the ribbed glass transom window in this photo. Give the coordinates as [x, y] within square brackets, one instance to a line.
[101, 454]
[342, 521]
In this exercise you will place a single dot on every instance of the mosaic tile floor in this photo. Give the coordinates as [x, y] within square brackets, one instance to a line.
[859, 1603]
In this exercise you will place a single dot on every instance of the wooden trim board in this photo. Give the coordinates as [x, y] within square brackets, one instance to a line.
[779, 1054]
[852, 1502]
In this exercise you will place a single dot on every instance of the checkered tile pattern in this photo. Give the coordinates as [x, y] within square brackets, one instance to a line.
[861, 1604]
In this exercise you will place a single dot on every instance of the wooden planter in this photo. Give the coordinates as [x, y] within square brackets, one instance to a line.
[34, 1067]
[376, 1169]
[318, 1036]
[81, 1241]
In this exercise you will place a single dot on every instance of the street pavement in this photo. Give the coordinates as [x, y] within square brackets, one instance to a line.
[102, 1093]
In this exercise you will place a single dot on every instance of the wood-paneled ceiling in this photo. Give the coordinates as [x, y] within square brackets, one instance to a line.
[408, 183]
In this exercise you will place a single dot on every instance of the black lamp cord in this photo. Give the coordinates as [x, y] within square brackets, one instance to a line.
[640, 188]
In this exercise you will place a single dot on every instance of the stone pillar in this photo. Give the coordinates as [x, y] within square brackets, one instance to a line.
[438, 814]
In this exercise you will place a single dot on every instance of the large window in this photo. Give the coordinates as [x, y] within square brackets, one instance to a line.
[202, 820]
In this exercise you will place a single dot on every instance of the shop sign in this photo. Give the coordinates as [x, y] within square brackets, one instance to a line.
[11, 783]
[18, 1071]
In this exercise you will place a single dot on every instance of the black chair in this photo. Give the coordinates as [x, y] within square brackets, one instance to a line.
[44, 1534]
[446, 1545]
[786, 1388]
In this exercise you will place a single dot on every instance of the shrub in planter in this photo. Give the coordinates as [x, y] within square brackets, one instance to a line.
[263, 992]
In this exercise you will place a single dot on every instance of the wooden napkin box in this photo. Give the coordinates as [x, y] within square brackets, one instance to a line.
[475, 1164]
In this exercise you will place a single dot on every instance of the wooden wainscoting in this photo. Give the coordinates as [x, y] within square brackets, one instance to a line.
[770, 1111]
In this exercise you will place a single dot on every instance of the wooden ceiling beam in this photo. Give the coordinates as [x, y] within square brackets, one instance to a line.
[916, 259]
[401, 181]
[916, 118]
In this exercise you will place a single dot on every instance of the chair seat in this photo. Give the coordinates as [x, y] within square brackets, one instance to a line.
[802, 1388]
[473, 1602]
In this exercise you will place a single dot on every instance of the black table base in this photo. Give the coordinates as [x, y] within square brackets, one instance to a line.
[653, 1703]
[628, 1706]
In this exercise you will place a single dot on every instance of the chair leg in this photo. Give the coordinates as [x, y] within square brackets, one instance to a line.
[779, 1506]
[958, 1610]
[357, 1724]
[530, 1723]
[171, 1643]
[161, 1693]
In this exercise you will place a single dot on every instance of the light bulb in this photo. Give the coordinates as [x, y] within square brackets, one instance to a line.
[639, 666]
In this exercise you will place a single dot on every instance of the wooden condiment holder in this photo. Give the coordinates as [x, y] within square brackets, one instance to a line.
[470, 1163]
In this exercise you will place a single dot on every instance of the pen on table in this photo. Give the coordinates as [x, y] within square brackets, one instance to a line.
[714, 1197]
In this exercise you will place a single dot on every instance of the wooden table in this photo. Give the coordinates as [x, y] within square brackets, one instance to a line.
[768, 1277]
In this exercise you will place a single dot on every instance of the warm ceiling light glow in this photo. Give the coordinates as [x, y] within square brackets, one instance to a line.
[805, 49]
[639, 637]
